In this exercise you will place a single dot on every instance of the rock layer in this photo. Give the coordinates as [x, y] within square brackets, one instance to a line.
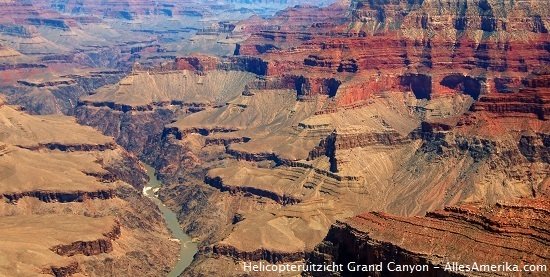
[504, 233]
[403, 107]
[71, 184]
[55, 51]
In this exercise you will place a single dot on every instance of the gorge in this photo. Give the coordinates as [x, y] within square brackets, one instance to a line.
[368, 131]
[187, 246]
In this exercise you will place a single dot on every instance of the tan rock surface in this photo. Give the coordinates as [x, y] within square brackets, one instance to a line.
[22, 129]
[26, 250]
[393, 106]
[143, 88]
[67, 207]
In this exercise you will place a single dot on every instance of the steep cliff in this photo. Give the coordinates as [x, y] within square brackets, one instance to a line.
[399, 107]
[136, 110]
[404, 91]
[79, 191]
[503, 233]
[427, 47]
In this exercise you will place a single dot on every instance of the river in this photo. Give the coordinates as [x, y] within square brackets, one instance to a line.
[188, 248]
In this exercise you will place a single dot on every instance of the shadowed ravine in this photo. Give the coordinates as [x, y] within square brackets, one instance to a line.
[188, 248]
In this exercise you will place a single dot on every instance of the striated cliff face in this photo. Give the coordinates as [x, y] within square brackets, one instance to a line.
[430, 48]
[79, 190]
[401, 97]
[532, 99]
[503, 233]
[54, 52]
[312, 117]
[90, 248]
[322, 114]
[136, 110]
[309, 168]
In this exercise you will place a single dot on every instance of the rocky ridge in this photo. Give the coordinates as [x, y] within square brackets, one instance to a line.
[502, 233]
[354, 107]
[81, 199]
[53, 52]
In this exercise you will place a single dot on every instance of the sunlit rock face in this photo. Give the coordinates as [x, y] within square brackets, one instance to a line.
[379, 238]
[428, 47]
[55, 51]
[317, 134]
[81, 191]
[404, 107]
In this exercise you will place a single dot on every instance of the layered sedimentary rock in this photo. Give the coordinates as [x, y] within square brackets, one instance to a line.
[54, 52]
[300, 171]
[430, 48]
[395, 111]
[401, 107]
[72, 186]
[56, 61]
[503, 233]
[532, 99]
[136, 110]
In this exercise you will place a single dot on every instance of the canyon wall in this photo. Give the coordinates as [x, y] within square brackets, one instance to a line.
[54, 52]
[322, 114]
[81, 192]
[510, 232]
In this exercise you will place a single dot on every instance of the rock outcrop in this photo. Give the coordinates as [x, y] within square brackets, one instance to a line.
[430, 48]
[163, 97]
[61, 197]
[54, 52]
[399, 107]
[78, 189]
[397, 93]
[532, 99]
[90, 248]
[512, 233]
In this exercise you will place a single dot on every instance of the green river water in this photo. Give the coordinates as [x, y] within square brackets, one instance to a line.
[188, 248]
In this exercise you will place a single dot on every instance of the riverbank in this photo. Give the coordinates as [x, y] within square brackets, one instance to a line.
[188, 246]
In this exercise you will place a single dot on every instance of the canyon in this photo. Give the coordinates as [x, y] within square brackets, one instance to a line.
[355, 131]
[53, 52]
[71, 197]
[70, 202]
[503, 233]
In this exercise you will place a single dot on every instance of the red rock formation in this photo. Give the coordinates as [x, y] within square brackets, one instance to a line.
[197, 63]
[384, 49]
[533, 99]
[375, 70]
[504, 233]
